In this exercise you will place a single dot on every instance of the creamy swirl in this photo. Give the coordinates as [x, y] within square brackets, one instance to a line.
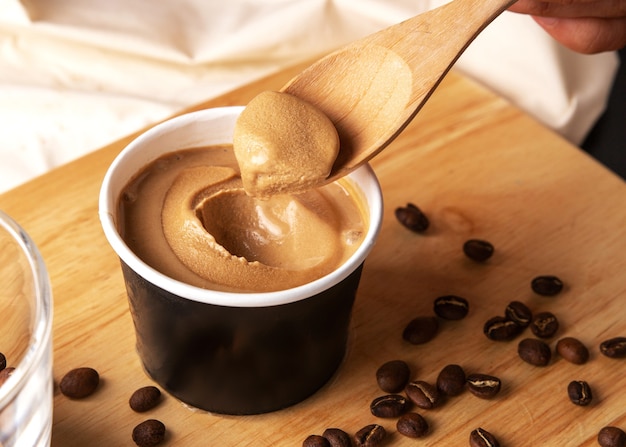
[187, 215]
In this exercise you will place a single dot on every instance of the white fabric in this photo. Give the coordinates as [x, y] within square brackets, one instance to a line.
[78, 74]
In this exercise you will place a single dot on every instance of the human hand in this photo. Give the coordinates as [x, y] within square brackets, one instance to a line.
[585, 26]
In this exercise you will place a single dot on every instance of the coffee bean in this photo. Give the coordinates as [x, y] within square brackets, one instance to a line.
[614, 347]
[579, 392]
[612, 437]
[337, 437]
[535, 352]
[145, 398]
[572, 350]
[79, 383]
[423, 394]
[546, 285]
[519, 313]
[3, 361]
[478, 250]
[451, 380]
[482, 438]
[149, 433]
[389, 406]
[451, 307]
[393, 376]
[315, 441]
[412, 425]
[5, 374]
[544, 325]
[421, 330]
[501, 329]
[413, 218]
[483, 385]
[371, 435]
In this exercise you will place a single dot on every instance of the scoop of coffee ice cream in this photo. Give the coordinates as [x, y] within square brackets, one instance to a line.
[283, 144]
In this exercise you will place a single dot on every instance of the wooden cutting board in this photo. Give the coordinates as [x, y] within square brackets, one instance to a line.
[479, 168]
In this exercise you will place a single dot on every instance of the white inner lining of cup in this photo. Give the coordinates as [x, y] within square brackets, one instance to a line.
[203, 128]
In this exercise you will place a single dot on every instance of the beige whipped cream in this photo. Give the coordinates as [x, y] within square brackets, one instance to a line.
[283, 144]
[188, 216]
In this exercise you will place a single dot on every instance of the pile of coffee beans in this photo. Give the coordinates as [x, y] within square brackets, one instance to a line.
[451, 381]
[80, 383]
[545, 325]
[150, 432]
[394, 377]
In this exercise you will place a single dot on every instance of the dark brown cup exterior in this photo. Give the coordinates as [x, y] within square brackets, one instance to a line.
[240, 360]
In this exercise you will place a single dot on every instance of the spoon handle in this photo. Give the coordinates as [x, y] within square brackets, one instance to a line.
[372, 88]
[436, 39]
[449, 28]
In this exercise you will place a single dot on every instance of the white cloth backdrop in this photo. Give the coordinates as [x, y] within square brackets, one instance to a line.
[77, 74]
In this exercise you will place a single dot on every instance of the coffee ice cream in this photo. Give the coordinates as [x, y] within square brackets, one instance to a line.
[187, 215]
[283, 144]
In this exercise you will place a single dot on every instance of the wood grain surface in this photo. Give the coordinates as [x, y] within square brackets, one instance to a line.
[479, 168]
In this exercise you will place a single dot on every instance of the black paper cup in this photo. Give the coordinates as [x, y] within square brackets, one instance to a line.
[224, 352]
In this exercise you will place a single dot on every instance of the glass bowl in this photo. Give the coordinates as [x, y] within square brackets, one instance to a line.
[25, 340]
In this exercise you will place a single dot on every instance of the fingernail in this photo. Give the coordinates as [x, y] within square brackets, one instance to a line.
[546, 21]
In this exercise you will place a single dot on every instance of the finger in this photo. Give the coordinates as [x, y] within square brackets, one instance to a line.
[587, 35]
[572, 9]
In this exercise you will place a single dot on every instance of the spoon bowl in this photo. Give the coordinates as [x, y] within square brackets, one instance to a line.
[372, 88]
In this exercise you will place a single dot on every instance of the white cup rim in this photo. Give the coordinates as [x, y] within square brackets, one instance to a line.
[364, 177]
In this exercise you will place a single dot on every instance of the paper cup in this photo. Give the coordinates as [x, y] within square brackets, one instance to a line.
[223, 352]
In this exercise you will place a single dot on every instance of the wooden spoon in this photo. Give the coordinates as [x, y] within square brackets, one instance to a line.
[372, 88]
